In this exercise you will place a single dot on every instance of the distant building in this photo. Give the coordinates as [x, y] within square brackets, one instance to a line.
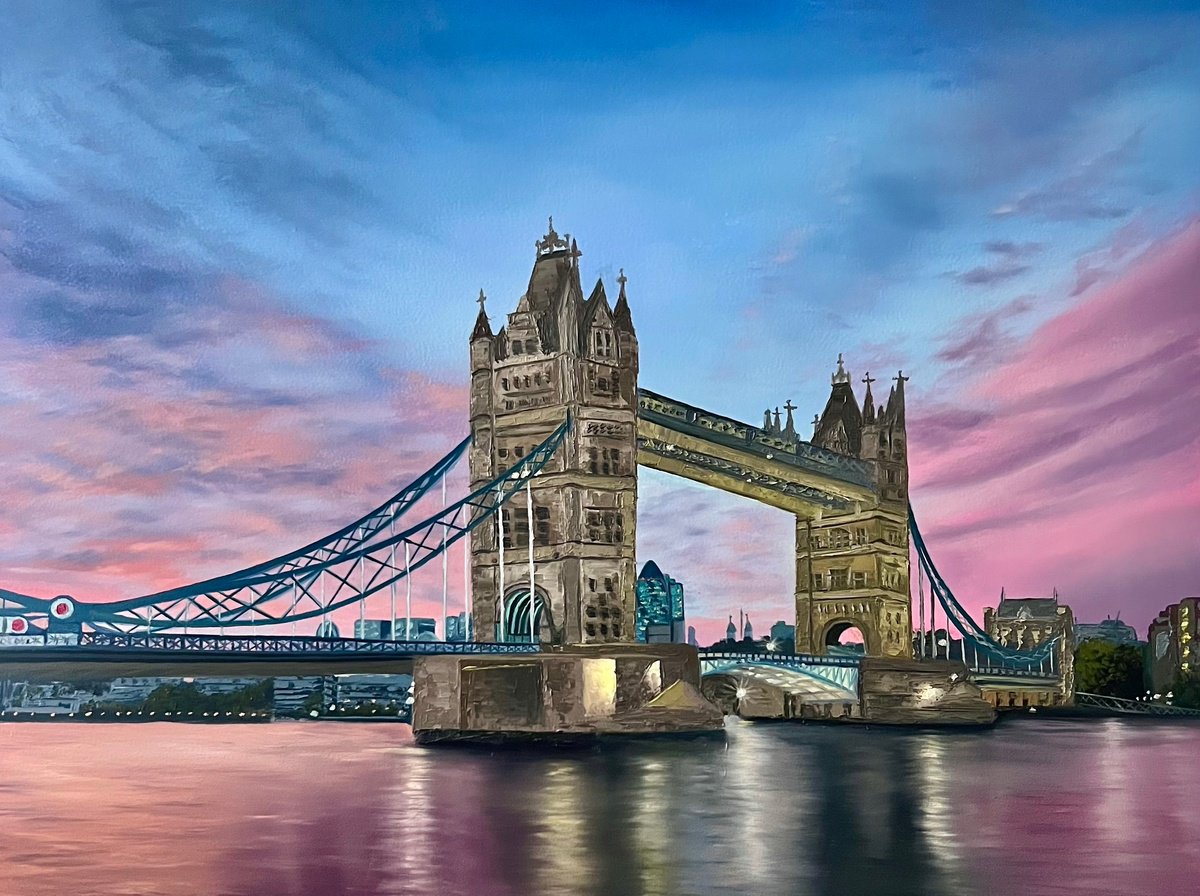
[692, 636]
[731, 630]
[458, 628]
[355, 689]
[659, 614]
[1024, 623]
[1114, 631]
[328, 629]
[747, 630]
[417, 629]
[781, 631]
[1174, 647]
[373, 629]
[134, 690]
[291, 693]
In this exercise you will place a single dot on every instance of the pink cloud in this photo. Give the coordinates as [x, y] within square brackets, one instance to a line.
[1073, 464]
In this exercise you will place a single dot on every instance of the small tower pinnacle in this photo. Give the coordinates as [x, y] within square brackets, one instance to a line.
[868, 411]
[789, 430]
[483, 329]
[840, 375]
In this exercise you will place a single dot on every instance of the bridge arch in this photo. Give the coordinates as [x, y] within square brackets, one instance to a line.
[836, 629]
[516, 618]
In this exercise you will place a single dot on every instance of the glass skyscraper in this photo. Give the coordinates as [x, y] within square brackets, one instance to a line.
[659, 607]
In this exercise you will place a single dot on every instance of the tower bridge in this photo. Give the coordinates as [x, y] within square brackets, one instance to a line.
[559, 425]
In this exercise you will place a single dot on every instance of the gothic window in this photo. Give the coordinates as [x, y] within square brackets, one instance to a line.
[838, 578]
[518, 347]
[608, 584]
[616, 629]
[602, 385]
[603, 630]
[818, 582]
[504, 382]
[503, 452]
[860, 536]
[591, 611]
[591, 584]
[541, 524]
[537, 379]
[593, 466]
[839, 538]
[605, 527]
[590, 628]
[527, 382]
[519, 451]
[860, 580]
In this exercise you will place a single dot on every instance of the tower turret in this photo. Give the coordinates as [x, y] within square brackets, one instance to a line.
[840, 425]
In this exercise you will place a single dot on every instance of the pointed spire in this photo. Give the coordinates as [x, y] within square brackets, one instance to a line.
[816, 423]
[790, 429]
[621, 316]
[483, 329]
[896, 404]
[868, 411]
[778, 425]
[767, 420]
[840, 375]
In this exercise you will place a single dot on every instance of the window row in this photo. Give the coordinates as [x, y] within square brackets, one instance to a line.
[839, 580]
[609, 585]
[591, 627]
[608, 461]
[520, 347]
[605, 527]
[528, 381]
[516, 526]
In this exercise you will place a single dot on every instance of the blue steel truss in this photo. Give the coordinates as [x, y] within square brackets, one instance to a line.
[988, 651]
[359, 560]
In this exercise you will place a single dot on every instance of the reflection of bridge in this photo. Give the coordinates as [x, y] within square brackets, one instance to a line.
[556, 414]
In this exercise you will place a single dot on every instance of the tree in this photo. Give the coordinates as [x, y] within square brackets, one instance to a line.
[1112, 670]
[1186, 691]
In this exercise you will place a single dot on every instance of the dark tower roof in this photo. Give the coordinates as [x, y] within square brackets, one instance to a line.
[483, 329]
[621, 316]
[842, 408]
[868, 411]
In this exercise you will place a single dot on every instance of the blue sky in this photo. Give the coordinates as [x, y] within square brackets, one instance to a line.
[917, 185]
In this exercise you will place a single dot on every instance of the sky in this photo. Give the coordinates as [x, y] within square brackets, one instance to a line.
[240, 243]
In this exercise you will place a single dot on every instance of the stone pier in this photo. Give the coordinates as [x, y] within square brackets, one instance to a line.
[575, 693]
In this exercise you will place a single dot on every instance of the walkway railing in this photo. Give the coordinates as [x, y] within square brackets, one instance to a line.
[1133, 707]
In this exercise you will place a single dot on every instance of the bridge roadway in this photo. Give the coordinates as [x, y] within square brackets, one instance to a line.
[102, 655]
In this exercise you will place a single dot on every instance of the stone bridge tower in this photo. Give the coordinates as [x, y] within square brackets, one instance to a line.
[853, 569]
[557, 354]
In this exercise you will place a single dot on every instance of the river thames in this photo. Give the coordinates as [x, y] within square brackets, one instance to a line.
[324, 808]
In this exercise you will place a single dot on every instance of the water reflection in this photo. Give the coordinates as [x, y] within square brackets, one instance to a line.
[1040, 807]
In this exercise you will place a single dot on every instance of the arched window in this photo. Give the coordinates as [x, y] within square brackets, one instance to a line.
[518, 347]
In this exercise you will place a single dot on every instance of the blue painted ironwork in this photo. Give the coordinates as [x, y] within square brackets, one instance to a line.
[995, 655]
[349, 566]
[835, 671]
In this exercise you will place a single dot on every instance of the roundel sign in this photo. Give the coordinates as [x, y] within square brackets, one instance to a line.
[14, 625]
[62, 607]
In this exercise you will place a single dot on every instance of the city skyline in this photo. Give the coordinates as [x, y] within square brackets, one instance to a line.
[239, 256]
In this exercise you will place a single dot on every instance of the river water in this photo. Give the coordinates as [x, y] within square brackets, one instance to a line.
[326, 808]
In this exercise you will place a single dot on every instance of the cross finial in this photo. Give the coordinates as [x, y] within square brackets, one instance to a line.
[479, 301]
[551, 227]
[816, 419]
[788, 406]
[900, 377]
[622, 279]
[868, 379]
